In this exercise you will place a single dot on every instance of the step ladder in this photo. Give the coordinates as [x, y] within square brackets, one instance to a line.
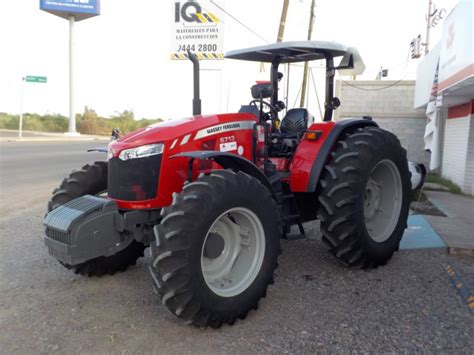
[288, 208]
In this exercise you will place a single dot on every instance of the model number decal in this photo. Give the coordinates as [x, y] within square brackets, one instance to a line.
[227, 139]
[225, 127]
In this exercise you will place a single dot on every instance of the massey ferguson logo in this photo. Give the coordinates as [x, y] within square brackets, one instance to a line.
[191, 11]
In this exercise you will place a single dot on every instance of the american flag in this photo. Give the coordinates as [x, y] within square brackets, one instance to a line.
[434, 88]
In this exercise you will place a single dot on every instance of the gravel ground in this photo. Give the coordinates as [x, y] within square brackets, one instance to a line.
[315, 305]
[424, 206]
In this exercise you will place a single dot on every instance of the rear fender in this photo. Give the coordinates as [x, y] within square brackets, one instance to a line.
[311, 156]
[229, 161]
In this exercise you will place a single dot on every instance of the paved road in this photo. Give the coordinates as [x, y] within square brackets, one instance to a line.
[14, 134]
[31, 170]
[315, 305]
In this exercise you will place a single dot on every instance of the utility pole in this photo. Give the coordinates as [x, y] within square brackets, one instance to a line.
[428, 26]
[305, 73]
[281, 28]
[284, 12]
[281, 31]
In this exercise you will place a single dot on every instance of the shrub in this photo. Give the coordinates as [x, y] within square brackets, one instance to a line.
[87, 123]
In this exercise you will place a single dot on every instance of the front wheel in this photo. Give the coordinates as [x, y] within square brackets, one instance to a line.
[92, 180]
[216, 248]
[364, 197]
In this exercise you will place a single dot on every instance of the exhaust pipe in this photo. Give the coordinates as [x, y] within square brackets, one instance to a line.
[196, 100]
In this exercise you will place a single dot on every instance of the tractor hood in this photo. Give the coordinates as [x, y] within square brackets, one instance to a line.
[168, 131]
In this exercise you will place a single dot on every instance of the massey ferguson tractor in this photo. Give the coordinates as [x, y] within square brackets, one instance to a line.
[212, 195]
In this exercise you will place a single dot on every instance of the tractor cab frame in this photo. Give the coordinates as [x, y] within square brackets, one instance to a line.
[304, 51]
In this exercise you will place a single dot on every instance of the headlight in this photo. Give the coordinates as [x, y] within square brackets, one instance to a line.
[141, 152]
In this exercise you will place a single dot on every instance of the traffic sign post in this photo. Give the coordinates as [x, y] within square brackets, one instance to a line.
[72, 10]
[28, 79]
[72, 115]
[20, 123]
[36, 79]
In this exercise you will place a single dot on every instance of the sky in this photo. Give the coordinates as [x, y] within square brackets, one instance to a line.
[122, 56]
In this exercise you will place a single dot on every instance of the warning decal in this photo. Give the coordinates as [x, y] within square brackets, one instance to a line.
[226, 147]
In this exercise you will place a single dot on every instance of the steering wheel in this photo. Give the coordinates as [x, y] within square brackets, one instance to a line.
[273, 111]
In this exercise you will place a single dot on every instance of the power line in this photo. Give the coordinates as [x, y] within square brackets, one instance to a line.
[238, 21]
[365, 89]
[384, 87]
[316, 91]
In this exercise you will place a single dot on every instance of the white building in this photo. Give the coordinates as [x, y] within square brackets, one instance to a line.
[450, 134]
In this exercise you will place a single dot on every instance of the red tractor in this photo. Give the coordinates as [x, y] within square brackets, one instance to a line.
[213, 194]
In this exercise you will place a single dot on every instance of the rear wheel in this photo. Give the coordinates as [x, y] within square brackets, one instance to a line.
[364, 197]
[216, 248]
[92, 180]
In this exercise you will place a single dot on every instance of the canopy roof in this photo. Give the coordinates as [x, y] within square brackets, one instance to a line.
[303, 51]
[291, 52]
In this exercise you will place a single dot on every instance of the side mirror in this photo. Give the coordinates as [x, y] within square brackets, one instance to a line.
[334, 103]
[280, 106]
[262, 91]
[115, 134]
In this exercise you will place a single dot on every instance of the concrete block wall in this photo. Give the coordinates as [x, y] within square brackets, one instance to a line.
[390, 103]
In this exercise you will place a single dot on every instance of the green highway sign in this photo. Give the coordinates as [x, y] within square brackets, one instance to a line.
[36, 79]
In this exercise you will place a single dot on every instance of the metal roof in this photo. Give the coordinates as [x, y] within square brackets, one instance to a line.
[291, 52]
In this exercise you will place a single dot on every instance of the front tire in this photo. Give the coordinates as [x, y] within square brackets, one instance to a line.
[216, 248]
[364, 198]
[92, 180]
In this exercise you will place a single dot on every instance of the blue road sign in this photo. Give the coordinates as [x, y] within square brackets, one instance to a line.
[80, 9]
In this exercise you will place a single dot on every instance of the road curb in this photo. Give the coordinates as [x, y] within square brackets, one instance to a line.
[50, 137]
[461, 286]
[461, 251]
[54, 139]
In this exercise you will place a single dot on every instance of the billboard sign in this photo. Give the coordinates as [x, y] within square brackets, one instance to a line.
[80, 9]
[456, 60]
[197, 26]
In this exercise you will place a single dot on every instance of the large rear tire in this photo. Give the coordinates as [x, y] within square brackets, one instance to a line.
[92, 180]
[364, 197]
[216, 248]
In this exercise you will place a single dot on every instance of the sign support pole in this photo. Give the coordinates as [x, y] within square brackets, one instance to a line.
[72, 115]
[71, 10]
[20, 128]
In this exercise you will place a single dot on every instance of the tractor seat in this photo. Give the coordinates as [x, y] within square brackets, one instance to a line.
[295, 121]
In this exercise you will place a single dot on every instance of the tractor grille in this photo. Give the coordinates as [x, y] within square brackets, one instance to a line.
[59, 236]
[133, 179]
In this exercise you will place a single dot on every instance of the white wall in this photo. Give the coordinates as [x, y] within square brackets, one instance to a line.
[456, 152]
[469, 174]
